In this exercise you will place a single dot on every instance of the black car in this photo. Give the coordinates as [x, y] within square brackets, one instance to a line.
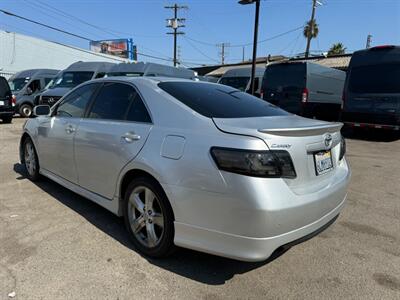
[7, 101]
[371, 96]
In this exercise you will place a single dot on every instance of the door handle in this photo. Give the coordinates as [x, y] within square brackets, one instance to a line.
[130, 137]
[69, 129]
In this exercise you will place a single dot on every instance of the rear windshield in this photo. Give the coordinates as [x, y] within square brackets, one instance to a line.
[383, 78]
[239, 83]
[285, 75]
[18, 84]
[72, 79]
[219, 101]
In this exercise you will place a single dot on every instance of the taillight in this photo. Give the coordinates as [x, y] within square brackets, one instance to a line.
[13, 100]
[272, 164]
[304, 95]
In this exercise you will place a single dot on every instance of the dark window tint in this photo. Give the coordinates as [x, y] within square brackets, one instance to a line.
[100, 75]
[239, 83]
[74, 104]
[112, 102]
[138, 112]
[218, 101]
[34, 87]
[283, 76]
[72, 79]
[384, 78]
[4, 88]
[47, 80]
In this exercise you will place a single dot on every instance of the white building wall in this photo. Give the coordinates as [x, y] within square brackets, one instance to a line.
[21, 52]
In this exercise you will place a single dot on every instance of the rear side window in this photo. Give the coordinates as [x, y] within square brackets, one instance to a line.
[239, 83]
[4, 88]
[219, 101]
[382, 78]
[285, 75]
[137, 111]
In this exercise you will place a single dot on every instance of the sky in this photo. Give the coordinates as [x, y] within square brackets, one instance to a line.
[208, 23]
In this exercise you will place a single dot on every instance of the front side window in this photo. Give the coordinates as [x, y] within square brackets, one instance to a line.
[219, 101]
[74, 105]
[112, 102]
[33, 87]
[18, 84]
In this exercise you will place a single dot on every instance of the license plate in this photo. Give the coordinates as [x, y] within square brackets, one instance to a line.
[323, 162]
[1, 102]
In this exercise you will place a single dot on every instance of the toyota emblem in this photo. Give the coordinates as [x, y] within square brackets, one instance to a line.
[328, 140]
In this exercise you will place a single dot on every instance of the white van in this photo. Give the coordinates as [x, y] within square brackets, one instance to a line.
[239, 78]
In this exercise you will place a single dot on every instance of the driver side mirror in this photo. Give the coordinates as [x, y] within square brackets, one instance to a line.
[41, 110]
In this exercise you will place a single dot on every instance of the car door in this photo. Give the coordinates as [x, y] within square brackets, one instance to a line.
[115, 130]
[56, 133]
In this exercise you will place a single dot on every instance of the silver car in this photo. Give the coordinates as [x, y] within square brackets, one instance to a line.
[192, 164]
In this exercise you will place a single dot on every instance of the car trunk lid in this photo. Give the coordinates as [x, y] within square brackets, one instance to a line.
[301, 137]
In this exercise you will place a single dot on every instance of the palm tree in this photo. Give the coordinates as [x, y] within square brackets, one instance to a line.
[310, 31]
[336, 49]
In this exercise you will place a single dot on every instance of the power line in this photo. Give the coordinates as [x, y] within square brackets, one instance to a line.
[44, 25]
[71, 34]
[198, 50]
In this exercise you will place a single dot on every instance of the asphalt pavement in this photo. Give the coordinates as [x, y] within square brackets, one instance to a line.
[55, 244]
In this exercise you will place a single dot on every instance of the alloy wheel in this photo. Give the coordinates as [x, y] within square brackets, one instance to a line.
[30, 159]
[145, 216]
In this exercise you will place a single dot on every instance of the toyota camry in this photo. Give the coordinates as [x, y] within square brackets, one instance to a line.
[192, 164]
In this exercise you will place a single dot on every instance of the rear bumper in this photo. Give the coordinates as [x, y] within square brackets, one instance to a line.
[371, 120]
[247, 248]
[256, 217]
[7, 112]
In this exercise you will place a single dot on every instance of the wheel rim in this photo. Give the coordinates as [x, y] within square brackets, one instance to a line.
[26, 110]
[146, 217]
[30, 159]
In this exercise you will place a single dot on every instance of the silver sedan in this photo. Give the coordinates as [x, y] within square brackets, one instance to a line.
[192, 164]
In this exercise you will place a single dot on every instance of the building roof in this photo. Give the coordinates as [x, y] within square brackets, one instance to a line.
[340, 62]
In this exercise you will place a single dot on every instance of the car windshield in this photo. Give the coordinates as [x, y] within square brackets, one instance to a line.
[18, 84]
[239, 83]
[384, 78]
[127, 74]
[71, 79]
[218, 101]
[284, 75]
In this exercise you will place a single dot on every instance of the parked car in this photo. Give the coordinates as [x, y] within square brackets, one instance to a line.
[7, 101]
[26, 85]
[71, 77]
[371, 96]
[192, 164]
[149, 69]
[304, 88]
[239, 78]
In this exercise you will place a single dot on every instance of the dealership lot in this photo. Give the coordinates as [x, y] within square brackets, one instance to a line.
[55, 244]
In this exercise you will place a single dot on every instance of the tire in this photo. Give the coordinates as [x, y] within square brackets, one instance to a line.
[151, 229]
[26, 110]
[30, 160]
[7, 120]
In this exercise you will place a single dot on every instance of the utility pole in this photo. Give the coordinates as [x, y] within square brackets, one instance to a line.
[312, 20]
[369, 40]
[243, 54]
[223, 53]
[175, 23]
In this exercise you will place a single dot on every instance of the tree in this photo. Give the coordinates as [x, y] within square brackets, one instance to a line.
[311, 29]
[336, 49]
